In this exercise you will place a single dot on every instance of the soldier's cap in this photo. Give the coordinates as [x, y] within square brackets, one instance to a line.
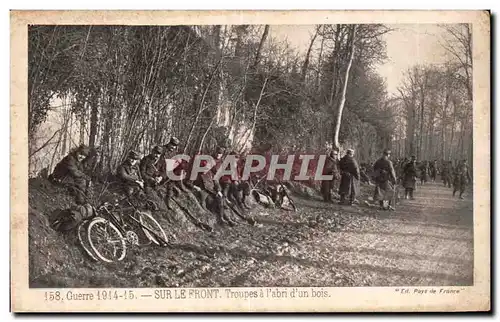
[133, 155]
[83, 150]
[219, 149]
[413, 157]
[387, 151]
[350, 151]
[157, 150]
[174, 141]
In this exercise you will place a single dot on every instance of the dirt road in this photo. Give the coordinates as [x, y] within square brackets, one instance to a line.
[426, 241]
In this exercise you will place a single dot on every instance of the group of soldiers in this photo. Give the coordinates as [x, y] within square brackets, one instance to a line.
[457, 176]
[348, 174]
[147, 178]
[386, 175]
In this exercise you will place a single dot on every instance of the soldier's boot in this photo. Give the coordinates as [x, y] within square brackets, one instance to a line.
[411, 195]
[454, 191]
[381, 203]
[221, 220]
[228, 220]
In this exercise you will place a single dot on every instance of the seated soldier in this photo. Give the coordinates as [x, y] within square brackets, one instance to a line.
[238, 190]
[130, 176]
[168, 165]
[70, 171]
[211, 193]
[150, 173]
[244, 186]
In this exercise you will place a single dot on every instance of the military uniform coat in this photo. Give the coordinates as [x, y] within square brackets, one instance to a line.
[409, 175]
[349, 181]
[385, 179]
[69, 168]
[149, 171]
[462, 175]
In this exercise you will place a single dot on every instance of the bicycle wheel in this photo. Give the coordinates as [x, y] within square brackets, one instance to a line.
[83, 239]
[106, 240]
[153, 226]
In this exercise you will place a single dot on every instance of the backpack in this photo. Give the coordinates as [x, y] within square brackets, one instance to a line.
[69, 218]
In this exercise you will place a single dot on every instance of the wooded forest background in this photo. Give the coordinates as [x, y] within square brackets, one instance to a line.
[131, 87]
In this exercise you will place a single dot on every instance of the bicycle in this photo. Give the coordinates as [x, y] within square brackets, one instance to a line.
[112, 229]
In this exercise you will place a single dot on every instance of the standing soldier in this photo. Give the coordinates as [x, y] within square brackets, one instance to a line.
[331, 168]
[410, 177]
[385, 178]
[433, 170]
[462, 177]
[349, 171]
[130, 175]
[70, 170]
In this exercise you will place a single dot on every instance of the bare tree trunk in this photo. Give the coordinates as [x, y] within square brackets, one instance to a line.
[254, 115]
[261, 44]
[443, 126]
[422, 107]
[342, 100]
[335, 72]
[308, 54]
[453, 120]
[93, 121]
[82, 125]
[319, 63]
[67, 119]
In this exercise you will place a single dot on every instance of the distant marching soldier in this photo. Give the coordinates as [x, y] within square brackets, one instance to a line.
[433, 170]
[446, 174]
[424, 172]
[385, 180]
[350, 176]
[410, 177]
[462, 177]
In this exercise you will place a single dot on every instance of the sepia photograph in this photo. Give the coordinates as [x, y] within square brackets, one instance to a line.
[252, 160]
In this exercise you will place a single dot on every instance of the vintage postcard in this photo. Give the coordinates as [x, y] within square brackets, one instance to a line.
[250, 161]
